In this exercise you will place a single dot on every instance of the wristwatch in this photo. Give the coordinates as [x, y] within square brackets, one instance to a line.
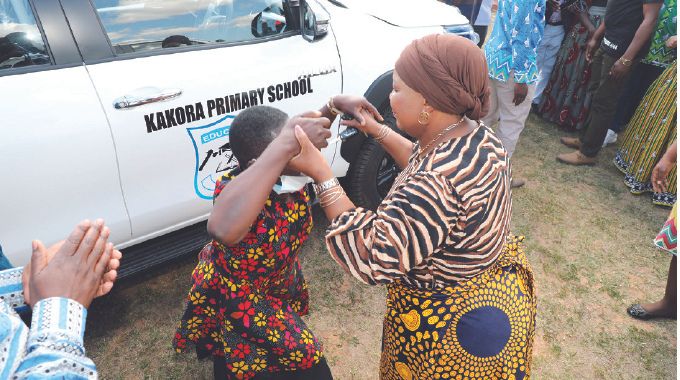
[626, 61]
[325, 185]
[331, 107]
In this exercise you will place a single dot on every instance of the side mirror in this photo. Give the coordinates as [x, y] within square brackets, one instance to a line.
[269, 22]
[314, 20]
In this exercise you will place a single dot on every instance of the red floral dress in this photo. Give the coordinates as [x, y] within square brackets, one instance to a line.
[246, 300]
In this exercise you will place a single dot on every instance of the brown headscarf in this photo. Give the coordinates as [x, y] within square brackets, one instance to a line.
[449, 71]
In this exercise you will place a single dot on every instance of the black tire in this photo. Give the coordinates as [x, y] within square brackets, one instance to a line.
[373, 171]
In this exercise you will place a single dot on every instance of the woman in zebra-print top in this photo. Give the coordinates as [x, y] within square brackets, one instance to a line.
[460, 291]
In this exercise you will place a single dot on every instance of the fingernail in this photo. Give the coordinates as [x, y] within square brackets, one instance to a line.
[34, 245]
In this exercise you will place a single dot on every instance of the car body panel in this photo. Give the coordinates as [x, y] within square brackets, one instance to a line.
[73, 149]
[168, 174]
[59, 161]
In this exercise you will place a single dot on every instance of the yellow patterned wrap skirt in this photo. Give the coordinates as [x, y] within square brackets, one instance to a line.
[479, 329]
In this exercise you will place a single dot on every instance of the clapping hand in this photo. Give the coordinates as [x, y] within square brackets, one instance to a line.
[80, 268]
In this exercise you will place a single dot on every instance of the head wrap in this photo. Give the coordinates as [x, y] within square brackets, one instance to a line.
[449, 71]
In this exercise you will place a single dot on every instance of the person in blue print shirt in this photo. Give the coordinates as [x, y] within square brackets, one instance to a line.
[511, 56]
[59, 284]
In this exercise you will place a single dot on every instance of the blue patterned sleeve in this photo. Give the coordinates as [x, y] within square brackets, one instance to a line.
[11, 289]
[54, 347]
[13, 335]
[527, 20]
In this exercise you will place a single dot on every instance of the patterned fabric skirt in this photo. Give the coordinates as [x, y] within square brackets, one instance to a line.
[566, 100]
[651, 130]
[667, 239]
[479, 329]
[254, 325]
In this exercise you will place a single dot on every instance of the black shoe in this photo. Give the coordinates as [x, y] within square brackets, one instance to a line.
[636, 311]
[534, 108]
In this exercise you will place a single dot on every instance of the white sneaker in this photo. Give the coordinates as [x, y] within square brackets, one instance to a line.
[610, 138]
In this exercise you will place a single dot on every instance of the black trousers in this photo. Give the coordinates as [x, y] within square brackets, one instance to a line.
[318, 372]
[606, 93]
[639, 81]
[481, 30]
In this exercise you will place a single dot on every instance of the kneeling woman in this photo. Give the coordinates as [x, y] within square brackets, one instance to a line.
[460, 290]
[248, 291]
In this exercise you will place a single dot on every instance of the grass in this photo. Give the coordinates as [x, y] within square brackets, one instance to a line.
[588, 239]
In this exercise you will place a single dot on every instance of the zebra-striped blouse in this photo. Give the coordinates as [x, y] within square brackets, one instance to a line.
[445, 219]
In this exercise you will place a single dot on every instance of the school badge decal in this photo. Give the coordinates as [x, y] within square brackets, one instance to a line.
[213, 155]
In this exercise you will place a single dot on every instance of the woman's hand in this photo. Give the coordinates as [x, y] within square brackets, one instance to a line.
[310, 161]
[660, 175]
[353, 105]
[672, 42]
[591, 48]
[369, 126]
[317, 129]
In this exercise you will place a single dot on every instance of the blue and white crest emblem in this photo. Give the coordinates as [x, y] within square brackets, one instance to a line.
[213, 155]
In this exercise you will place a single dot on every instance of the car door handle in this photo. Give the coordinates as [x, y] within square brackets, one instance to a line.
[148, 96]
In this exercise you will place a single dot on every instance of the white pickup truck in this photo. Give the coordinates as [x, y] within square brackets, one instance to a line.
[121, 108]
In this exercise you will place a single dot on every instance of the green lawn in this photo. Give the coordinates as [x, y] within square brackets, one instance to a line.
[587, 237]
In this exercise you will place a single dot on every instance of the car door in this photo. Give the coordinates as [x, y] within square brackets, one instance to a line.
[172, 75]
[58, 160]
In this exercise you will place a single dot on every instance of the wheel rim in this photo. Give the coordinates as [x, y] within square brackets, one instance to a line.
[387, 173]
[387, 169]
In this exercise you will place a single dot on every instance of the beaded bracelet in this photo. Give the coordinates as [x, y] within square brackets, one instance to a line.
[319, 188]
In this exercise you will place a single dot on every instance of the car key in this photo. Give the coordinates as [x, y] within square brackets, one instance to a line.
[347, 133]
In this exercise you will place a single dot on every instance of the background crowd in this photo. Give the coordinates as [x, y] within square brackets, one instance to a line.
[597, 69]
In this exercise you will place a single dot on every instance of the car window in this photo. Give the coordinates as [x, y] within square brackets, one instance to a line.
[143, 25]
[21, 43]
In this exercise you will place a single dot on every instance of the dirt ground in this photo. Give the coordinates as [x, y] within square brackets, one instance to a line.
[587, 237]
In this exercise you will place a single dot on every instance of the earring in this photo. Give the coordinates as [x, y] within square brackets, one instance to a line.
[423, 118]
